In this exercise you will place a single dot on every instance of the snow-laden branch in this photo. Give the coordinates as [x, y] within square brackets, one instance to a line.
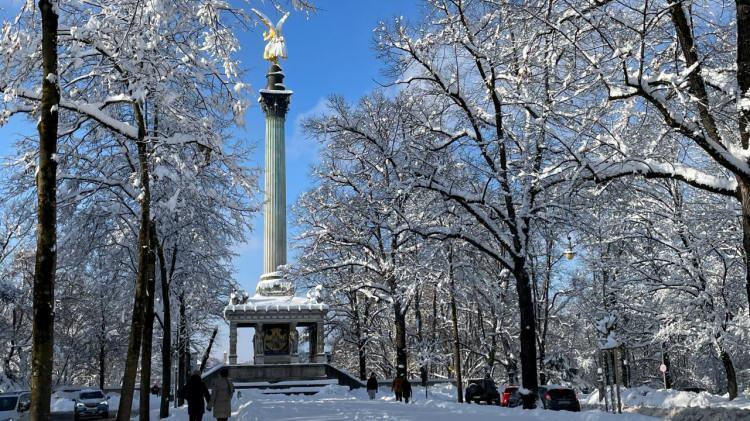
[651, 169]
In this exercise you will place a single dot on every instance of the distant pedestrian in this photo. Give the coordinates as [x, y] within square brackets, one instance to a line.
[195, 393]
[221, 398]
[372, 386]
[398, 387]
[406, 390]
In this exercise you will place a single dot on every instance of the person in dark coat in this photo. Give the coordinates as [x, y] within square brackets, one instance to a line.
[196, 394]
[398, 387]
[221, 398]
[372, 386]
[406, 389]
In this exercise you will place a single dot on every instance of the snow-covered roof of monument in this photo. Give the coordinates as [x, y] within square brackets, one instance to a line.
[276, 303]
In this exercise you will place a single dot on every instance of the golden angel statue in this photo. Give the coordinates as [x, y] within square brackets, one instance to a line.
[276, 48]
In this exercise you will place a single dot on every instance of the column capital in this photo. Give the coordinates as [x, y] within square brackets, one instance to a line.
[275, 103]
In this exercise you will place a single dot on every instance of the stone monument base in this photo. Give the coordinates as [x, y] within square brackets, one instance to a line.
[275, 320]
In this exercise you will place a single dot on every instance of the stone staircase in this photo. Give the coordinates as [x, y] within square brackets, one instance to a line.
[288, 379]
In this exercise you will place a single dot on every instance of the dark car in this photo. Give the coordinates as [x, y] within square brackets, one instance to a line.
[558, 398]
[505, 396]
[482, 390]
[692, 389]
[91, 403]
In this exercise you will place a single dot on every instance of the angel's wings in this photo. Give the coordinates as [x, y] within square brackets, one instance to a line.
[268, 22]
[281, 21]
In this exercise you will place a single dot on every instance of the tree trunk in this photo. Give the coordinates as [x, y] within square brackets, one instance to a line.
[148, 331]
[206, 354]
[102, 345]
[361, 356]
[743, 69]
[420, 336]
[166, 341]
[181, 345]
[745, 204]
[668, 373]
[726, 361]
[42, 352]
[527, 335]
[456, 338]
[141, 284]
[401, 358]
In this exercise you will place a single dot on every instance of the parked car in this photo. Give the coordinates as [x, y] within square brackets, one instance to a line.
[558, 398]
[91, 403]
[15, 406]
[693, 389]
[479, 390]
[515, 398]
[505, 396]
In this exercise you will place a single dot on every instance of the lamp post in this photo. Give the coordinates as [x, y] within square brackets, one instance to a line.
[569, 253]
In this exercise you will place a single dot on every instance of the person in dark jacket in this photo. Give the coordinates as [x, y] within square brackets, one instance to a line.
[196, 394]
[372, 386]
[398, 387]
[406, 389]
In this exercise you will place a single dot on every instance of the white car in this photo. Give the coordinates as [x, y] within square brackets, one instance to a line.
[14, 406]
[91, 403]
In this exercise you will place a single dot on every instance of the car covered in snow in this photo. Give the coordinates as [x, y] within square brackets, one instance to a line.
[15, 406]
[482, 390]
[91, 403]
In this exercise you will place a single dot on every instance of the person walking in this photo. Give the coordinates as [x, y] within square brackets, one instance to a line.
[397, 386]
[406, 390]
[195, 393]
[372, 386]
[221, 398]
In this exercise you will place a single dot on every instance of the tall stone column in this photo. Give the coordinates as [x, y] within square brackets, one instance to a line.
[232, 343]
[275, 102]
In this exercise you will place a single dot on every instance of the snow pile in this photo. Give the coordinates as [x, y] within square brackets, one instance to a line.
[644, 396]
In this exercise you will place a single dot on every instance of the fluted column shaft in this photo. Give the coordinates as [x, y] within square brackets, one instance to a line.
[274, 229]
[275, 102]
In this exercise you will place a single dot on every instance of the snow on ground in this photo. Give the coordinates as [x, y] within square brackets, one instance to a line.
[338, 403]
[667, 398]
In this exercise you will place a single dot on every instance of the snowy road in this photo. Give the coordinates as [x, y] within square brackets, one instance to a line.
[343, 405]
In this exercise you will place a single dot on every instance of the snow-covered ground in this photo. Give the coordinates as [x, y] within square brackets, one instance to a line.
[338, 403]
[667, 399]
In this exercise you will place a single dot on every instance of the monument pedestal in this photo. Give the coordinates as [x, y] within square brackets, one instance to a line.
[275, 320]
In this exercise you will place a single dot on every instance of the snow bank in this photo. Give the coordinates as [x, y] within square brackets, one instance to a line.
[667, 398]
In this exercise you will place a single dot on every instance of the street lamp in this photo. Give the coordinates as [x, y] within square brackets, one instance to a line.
[569, 253]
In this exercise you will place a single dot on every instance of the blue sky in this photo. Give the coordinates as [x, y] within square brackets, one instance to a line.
[330, 52]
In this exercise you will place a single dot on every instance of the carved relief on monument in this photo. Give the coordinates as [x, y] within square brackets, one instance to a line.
[276, 340]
